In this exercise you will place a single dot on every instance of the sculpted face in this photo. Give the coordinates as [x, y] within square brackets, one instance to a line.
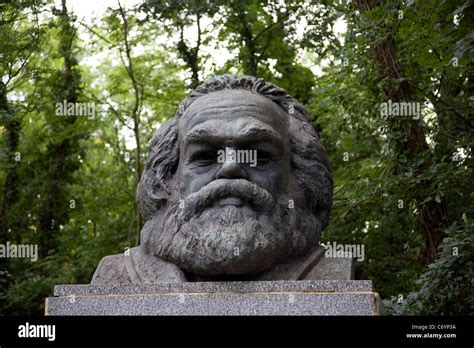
[233, 120]
[225, 217]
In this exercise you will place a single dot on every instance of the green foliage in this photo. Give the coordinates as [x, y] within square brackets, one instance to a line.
[366, 192]
[447, 287]
[376, 188]
[136, 65]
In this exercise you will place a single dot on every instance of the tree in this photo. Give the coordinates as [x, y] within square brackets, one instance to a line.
[61, 154]
[139, 92]
[181, 15]
[402, 187]
[19, 40]
[381, 181]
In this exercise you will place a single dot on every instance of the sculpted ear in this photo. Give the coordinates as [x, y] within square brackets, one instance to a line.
[154, 188]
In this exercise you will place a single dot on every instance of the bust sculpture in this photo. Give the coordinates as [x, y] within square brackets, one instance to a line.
[237, 186]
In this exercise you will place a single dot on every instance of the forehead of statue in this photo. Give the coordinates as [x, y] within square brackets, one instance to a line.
[234, 107]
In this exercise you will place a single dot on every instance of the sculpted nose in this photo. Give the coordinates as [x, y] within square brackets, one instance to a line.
[230, 169]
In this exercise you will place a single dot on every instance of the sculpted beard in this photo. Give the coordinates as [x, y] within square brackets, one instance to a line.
[205, 238]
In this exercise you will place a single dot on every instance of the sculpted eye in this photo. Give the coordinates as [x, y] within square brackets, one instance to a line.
[204, 157]
[263, 157]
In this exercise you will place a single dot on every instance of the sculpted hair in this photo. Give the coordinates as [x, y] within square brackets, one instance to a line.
[309, 163]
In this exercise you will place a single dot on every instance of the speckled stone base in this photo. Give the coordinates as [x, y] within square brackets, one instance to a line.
[301, 297]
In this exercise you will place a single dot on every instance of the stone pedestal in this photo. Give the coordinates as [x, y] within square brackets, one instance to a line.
[300, 297]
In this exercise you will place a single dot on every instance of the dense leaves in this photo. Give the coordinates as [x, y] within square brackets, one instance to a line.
[403, 186]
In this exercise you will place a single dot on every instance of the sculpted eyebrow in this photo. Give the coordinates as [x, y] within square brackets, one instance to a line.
[252, 135]
[200, 134]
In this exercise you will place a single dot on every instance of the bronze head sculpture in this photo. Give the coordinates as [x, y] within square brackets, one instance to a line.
[236, 186]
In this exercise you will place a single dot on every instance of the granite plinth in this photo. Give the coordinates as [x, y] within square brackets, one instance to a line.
[301, 297]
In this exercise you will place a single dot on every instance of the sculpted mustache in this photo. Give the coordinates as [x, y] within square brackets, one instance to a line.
[249, 192]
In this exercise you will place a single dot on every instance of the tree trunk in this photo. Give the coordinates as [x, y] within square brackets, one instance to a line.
[50, 216]
[190, 55]
[138, 95]
[432, 215]
[12, 130]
